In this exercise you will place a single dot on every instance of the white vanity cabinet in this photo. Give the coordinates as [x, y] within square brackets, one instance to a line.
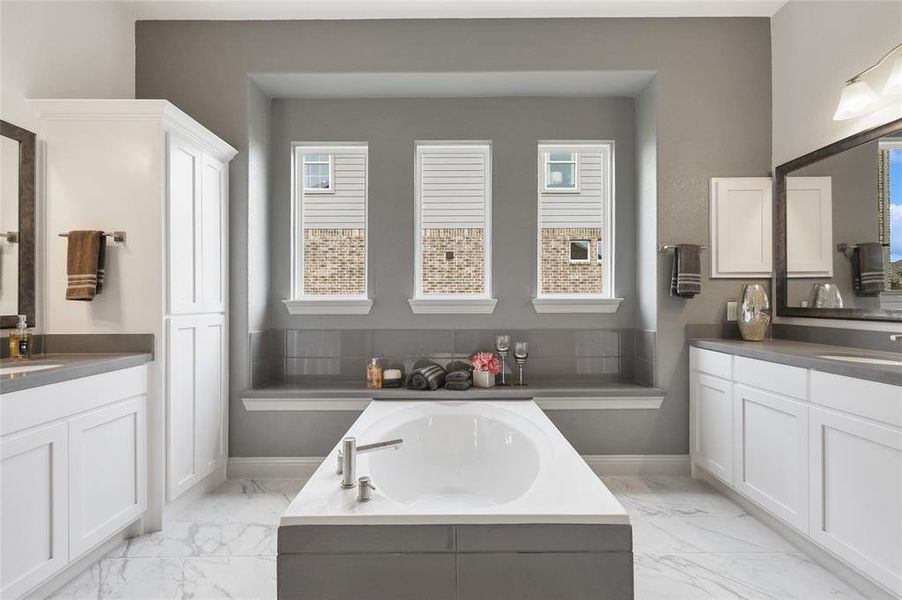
[73, 472]
[856, 473]
[33, 507]
[820, 452]
[712, 413]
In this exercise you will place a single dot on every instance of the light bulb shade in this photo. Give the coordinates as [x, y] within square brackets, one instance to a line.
[894, 83]
[856, 97]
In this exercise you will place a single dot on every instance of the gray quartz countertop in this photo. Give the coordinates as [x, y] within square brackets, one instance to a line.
[534, 390]
[65, 367]
[811, 356]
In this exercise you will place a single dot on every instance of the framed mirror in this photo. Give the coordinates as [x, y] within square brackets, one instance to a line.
[17, 224]
[839, 229]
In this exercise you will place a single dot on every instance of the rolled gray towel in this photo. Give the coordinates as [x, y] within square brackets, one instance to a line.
[426, 375]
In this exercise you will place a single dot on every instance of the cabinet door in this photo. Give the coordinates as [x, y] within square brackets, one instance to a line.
[809, 227]
[712, 425]
[196, 394]
[213, 220]
[33, 507]
[211, 392]
[108, 472]
[740, 211]
[856, 493]
[771, 453]
[183, 206]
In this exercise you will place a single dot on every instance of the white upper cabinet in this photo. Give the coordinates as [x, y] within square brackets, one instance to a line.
[197, 209]
[809, 227]
[741, 227]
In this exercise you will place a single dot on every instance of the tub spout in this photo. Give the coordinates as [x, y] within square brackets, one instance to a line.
[347, 457]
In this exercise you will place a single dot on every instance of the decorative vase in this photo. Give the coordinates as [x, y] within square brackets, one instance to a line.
[483, 379]
[825, 295]
[754, 312]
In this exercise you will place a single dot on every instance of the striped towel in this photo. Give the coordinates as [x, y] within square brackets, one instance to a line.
[868, 277]
[85, 260]
[426, 375]
[686, 277]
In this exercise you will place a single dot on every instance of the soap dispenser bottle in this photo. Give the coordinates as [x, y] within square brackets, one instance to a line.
[20, 340]
[374, 374]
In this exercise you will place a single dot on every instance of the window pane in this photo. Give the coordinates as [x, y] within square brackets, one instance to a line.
[316, 177]
[579, 250]
[315, 158]
[599, 250]
[334, 262]
[560, 176]
[453, 261]
[562, 156]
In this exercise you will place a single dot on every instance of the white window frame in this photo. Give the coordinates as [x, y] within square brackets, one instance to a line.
[548, 161]
[605, 301]
[301, 303]
[330, 162]
[451, 303]
[581, 261]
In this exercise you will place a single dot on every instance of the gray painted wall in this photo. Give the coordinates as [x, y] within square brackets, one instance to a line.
[514, 126]
[713, 88]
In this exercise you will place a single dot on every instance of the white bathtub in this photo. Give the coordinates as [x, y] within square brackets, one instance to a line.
[499, 462]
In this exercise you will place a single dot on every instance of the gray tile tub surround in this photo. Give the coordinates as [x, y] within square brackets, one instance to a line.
[342, 355]
[456, 562]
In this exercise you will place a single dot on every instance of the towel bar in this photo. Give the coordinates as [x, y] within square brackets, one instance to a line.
[847, 247]
[667, 247]
[118, 236]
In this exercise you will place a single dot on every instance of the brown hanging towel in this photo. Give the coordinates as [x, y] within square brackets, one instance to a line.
[84, 265]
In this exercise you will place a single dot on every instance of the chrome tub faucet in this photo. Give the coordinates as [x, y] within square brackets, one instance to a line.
[347, 457]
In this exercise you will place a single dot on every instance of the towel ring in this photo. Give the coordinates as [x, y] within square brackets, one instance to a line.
[118, 236]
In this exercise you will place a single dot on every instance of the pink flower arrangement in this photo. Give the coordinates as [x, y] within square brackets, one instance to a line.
[486, 361]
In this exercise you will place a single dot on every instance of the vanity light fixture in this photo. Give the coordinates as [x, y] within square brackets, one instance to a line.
[858, 95]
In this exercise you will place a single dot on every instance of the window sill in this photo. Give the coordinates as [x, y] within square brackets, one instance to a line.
[576, 305]
[329, 306]
[452, 306]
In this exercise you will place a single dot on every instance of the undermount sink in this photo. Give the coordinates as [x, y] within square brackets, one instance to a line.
[863, 359]
[16, 369]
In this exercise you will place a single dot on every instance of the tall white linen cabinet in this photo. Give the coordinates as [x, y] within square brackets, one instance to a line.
[146, 168]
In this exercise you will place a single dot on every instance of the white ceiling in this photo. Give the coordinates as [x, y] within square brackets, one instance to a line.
[451, 85]
[453, 9]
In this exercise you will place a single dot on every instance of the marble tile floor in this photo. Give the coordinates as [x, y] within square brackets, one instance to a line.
[690, 543]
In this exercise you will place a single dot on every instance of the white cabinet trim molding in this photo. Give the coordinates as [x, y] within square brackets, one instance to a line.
[741, 227]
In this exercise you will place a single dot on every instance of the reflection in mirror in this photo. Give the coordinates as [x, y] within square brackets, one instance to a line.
[844, 229]
[9, 226]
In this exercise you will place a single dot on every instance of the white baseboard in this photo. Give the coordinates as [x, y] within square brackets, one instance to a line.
[638, 464]
[302, 467]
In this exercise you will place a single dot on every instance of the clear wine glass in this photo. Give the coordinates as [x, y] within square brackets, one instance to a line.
[503, 346]
[521, 351]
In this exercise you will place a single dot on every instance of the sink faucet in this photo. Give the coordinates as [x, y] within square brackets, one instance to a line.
[347, 457]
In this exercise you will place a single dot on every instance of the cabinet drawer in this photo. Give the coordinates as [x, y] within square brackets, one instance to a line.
[870, 399]
[782, 379]
[712, 363]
